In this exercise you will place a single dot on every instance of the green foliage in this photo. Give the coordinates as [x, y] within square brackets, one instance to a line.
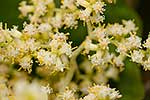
[130, 84]
[118, 12]
[77, 35]
[9, 12]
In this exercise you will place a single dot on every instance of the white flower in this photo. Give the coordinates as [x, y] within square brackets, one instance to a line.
[11, 51]
[83, 3]
[89, 46]
[70, 20]
[44, 57]
[97, 18]
[129, 43]
[68, 4]
[99, 7]
[129, 26]
[147, 43]
[137, 56]
[99, 33]
[118, 61]
[146, 64]
[59, 45]
[41, 8]
[104, 92]
[59, 64]
[85, 14]
[2, 37]
[30, 29]
[44, 27]
[50, 59]
[46, 89]
[115, 29]
[104, 43]
[26, 63]
[66, 95]
[60, 37]
[31, 44]
[89, 97]
[97, 59]
[56, 21]
[66, 49]
[15, 33]
[122, 47]
[25, 9]
[108, 57]
[26, 91]
[133, 42]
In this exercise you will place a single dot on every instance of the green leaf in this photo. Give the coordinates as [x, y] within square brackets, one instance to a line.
[9, 13]
[116, 13]
[77, 36]
[130, 84]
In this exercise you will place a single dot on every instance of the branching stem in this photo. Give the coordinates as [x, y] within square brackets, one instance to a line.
[73, 67]
[73, 62]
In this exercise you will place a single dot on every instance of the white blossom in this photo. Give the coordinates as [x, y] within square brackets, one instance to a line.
[25, 91]
[15, 33]
[66, 95]
[83, 3]
[70, 20]
[25, 9]
[89, 97]
[137, 56]
[89, 46]
[97, 59]
[146, 64]
[99, 7]
[103, 92]
[115, 29]
[44, 57]
[56, 21]
[26, 63]
[44, 27]
[85, 14]
[129, 26]
[147, 43]
[30, 29]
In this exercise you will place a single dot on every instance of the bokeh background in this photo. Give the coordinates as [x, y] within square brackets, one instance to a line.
[134, 82]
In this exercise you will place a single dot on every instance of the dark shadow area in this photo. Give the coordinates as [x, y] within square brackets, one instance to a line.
[144, 11]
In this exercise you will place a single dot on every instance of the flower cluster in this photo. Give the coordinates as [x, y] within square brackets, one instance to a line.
[142, 56]
[45, 51]
[34, 42]
[97, 92]
[23, 90]
[101, 92]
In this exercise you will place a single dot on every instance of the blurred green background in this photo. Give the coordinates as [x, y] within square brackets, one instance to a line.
[9, 12]
[131, 82]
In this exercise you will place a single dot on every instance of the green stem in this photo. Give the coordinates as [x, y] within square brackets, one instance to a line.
[73, 67]
[73, 63]
[90, 29]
